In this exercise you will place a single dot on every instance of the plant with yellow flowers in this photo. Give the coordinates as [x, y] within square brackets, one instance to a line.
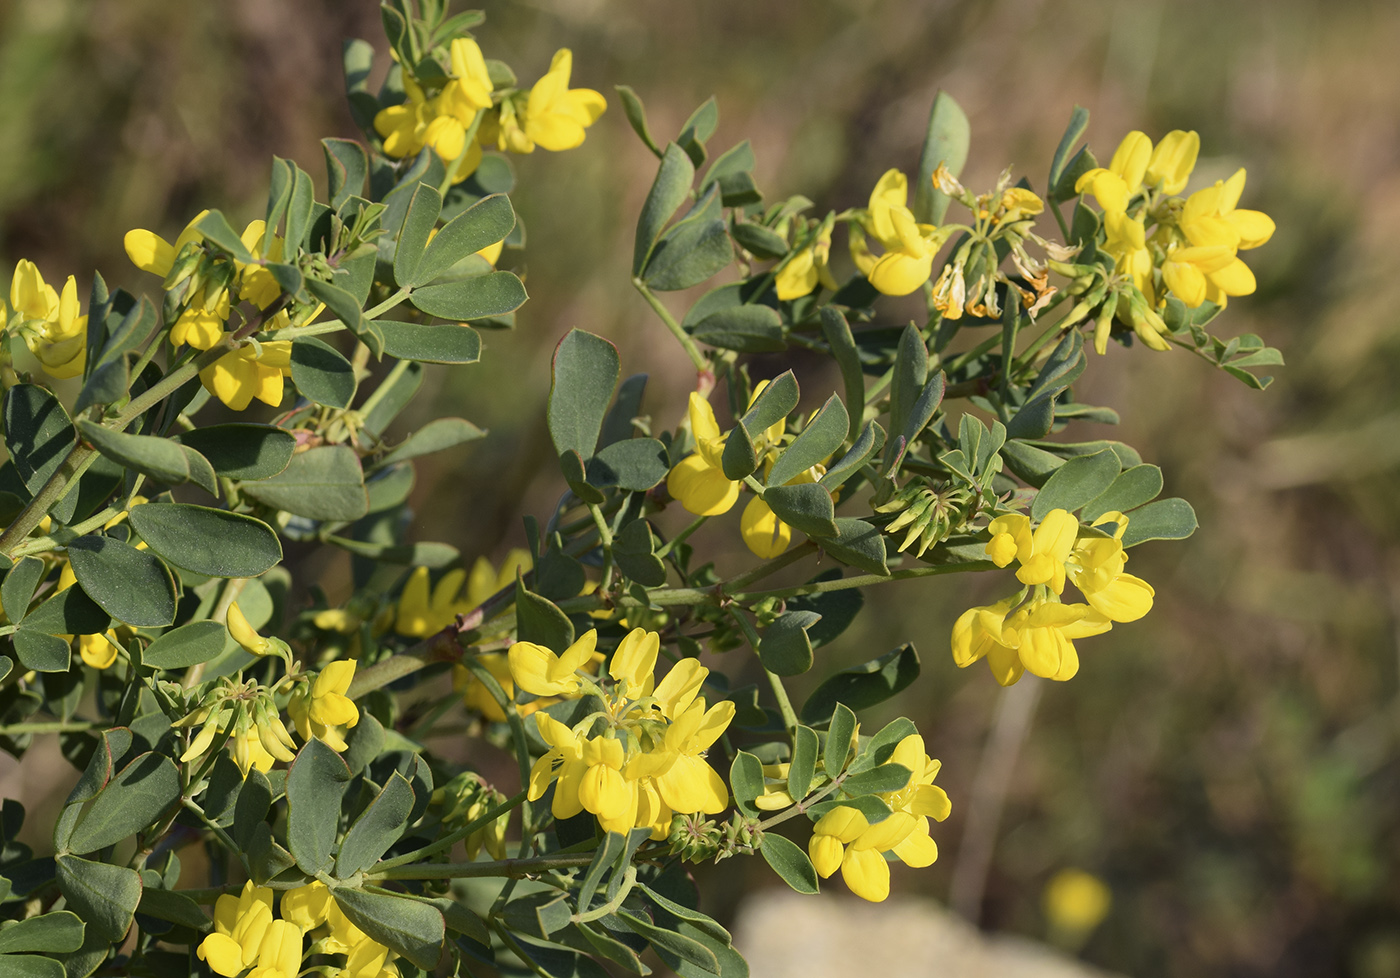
[297, 735]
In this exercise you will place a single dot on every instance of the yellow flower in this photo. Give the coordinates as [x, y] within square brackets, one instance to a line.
[244, 634]
[1172, 161]
[806, 269]
[698, 481]
[1211, 217]
[367, 959]
[1096, 568]
[764, 534]
[402, 126]
[555, 115]
[1115, 185]
[1076, 901]
[775, 795]
[1042, 554]
[49, 322]
[246, 936]
[99, 651]
[422, 613]
[322, 710]
[307, 906]
[843, 838]
[538, 670]
[909, 246]
[978, 633]
[252, 370]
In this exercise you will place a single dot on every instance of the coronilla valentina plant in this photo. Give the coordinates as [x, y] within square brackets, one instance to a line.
[260, 789]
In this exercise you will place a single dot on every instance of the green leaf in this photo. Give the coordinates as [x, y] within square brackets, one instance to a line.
[698, 129]
[207, 541]
[748, 329]
[42, 652]
[202, 473]
[763, 242]
[34, 966]
[250, 811]
[740, 456]
[133, 800]
[321, 373]
[103, 895]
[815, 445]
[670, 941]
[790, 863]
[377, 829]
[484, 223]
[429, 343]
[1030, 464]
[945, 142]
[217, 231]
[688, 254]
[52, 933]
[243, 451]
[634, 550]
[18, 588]
[188, 645]
[668, 192]
[576, 477]
[746, 781]
[418, 224]
[1078, 122]
[315, 784]
[858, 544]
[837, 333]
[427, 554]
[877, 780]
[108, 370]
[482, 297]
[909, 377]
[345, 306]
[1137, 485]
[862, 686]
[347, 165]
[324, 483]
[462, 920]
[635, 464]
[539, 620]
[69, 612]
[130, 585]
[636, 116]
[279, 186]
[806, 507]
[437, 435]
[1166, 519]
[805, 748]
[174, 907]
[38, 433]
[838, 739]
[585, 373]
[414, 929]
[870, 441]
[1076, 482]
[776, 402]
[606, 855]
[159, 458]
[785, 648]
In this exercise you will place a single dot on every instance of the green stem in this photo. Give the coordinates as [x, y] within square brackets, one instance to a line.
[455, 165]
[680, 537]
[629, 879]
[779, 691]
[682, 337]
[973, 353]
[400, 368]
[865, 580]
[776, 564]
[515, 868]
[801, 807]
[47, 727]
[448, 841]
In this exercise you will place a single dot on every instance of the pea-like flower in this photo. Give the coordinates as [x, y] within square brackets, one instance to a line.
[254, 370]
[321, 709]
[247, 936]
[49, 322]
[557, 115]
[843, 838]
[909, 247]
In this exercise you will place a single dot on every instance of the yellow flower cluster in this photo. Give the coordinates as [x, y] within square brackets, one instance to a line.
[843, 839]
[48, 321]
[252, 371]
[550, 114]
[1193, 252]
[1038, 635]
[699, 484]
[641, 759]
[247, 935]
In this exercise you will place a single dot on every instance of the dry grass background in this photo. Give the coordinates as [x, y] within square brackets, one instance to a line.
[1229, 764]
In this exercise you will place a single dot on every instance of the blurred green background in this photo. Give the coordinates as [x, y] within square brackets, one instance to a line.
[1228, 765]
